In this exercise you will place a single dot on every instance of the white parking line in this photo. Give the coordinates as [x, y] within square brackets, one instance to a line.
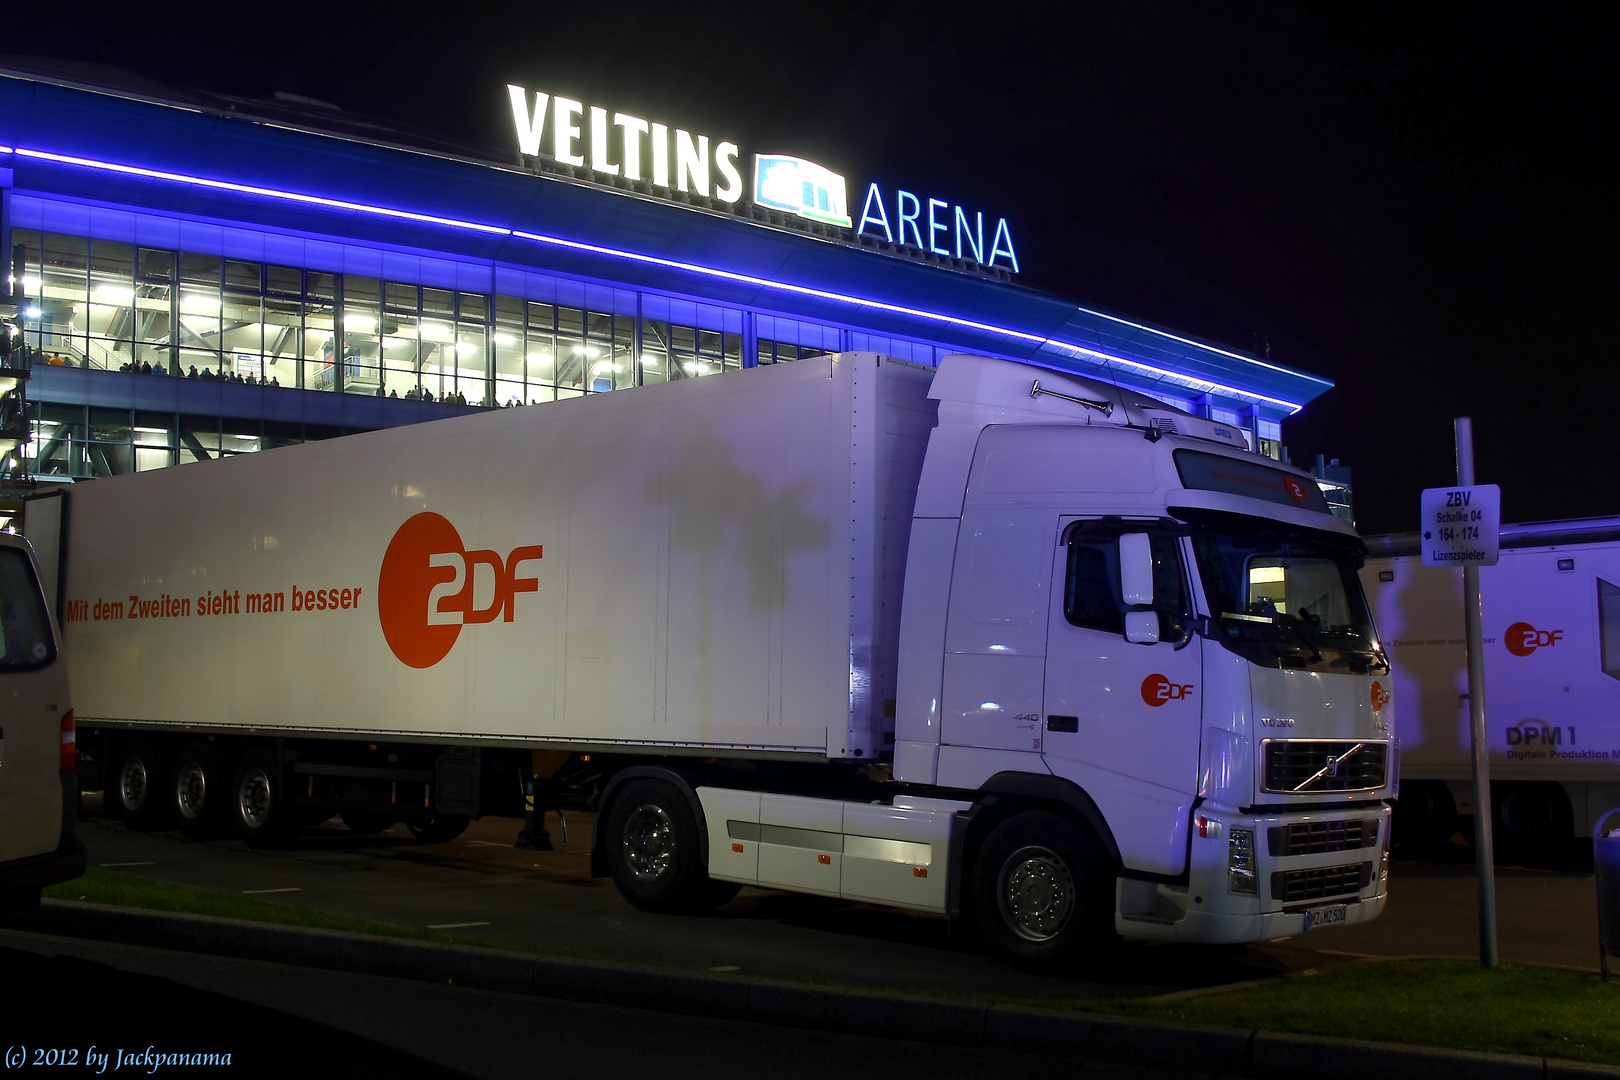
[261, 892]
[454, 925]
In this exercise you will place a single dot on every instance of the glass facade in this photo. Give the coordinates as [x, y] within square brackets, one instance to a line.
[129, 305]
[118, 306]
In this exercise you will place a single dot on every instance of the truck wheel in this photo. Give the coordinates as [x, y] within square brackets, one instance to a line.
[134, 792]
[1534, 822]
[439, 828]
[652, 849]
[1040, 890]
[363, 823]
[198, 790]
[1425, 815]
[258, 808]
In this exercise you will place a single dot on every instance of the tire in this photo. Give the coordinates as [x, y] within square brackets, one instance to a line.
[364, 823]
[1425, 815]
[198, 792]
[258, 800]
[134, 789]
[1534, 822]
[1042, 894]
[652, 849]
[439, 828]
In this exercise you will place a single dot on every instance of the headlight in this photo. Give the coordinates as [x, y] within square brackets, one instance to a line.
[1240, 862]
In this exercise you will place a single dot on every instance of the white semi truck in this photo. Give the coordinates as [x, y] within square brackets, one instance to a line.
[1551, 608]
[991, 639]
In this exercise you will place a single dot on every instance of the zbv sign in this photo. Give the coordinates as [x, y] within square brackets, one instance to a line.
[429, 585]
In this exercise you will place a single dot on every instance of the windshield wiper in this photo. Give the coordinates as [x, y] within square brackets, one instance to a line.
[1297, 625]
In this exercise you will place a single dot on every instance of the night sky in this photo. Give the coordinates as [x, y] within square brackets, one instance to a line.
[1416, 201]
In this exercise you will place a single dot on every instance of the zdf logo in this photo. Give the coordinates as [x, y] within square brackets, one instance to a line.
[1380, 696]
[1522, 639]
[428, 584]
[1156, 690]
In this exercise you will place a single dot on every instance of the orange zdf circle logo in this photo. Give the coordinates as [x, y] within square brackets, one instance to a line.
[1380, 696]
[426, 591]
[1296, 489]
[1522, 639]
[1156, 690]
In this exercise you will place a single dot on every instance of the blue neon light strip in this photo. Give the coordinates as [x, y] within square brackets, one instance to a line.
[693, 268]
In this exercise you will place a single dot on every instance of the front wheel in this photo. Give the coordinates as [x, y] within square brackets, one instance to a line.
[652, 850]
[1042, 895]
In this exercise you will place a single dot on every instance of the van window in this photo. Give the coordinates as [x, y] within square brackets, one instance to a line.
[1609, 626]
[26, 638]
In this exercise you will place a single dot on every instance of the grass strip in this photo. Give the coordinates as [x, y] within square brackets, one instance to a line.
[99, 886]
[1516, 1009]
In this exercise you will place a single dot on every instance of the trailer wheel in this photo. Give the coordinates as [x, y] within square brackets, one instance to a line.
[198, 790]
[652, 849]
[259, 807]
[440, 828]
[134, 791]
[1040, 890]
[1534, 822]
[1425, 815]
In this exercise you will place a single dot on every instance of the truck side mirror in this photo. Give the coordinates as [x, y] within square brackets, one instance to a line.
[1135, 569]
[1142, 627]
[1136, 588]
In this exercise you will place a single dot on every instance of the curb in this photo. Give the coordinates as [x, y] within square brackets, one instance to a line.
[1082, 1036]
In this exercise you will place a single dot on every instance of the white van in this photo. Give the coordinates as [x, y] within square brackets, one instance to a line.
[39, 789]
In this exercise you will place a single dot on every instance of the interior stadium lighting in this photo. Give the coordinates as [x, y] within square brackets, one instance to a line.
[704, 271]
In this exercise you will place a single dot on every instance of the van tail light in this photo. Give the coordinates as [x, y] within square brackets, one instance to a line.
[70, 744]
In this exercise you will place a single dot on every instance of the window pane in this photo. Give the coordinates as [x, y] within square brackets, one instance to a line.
[201, 270]
[243, 276]
[25, 635]
[1609, 626]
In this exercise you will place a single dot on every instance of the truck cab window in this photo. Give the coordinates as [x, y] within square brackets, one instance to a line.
[25, 629]
[1091, 596]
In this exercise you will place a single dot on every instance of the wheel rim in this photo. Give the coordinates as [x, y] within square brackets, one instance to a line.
[132, 784]
[253, 798]
[191, 790]
[1036, 894]
[648, 842]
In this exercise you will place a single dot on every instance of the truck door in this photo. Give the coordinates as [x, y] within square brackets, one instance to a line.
[1123, 720]
[995, 632]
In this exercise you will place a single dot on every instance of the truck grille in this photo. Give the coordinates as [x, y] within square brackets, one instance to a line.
[1315, 765]
[1292, 886]
[1315, 837]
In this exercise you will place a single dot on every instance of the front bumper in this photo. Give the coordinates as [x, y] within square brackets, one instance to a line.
[1322, 873]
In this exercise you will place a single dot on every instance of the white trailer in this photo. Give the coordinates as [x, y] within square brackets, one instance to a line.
[990, 639]
[1551, 609]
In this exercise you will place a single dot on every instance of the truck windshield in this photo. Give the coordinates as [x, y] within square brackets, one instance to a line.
[1285, 596]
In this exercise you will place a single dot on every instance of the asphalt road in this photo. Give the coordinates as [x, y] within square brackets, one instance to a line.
[284, 1021]
[481, 888]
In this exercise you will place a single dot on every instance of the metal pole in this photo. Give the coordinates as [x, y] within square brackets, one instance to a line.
[1483, 851]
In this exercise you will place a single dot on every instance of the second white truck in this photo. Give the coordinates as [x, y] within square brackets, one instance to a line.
[988, 640]
[1551, 608]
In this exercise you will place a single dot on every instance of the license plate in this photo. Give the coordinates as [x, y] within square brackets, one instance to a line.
[1326, 916]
